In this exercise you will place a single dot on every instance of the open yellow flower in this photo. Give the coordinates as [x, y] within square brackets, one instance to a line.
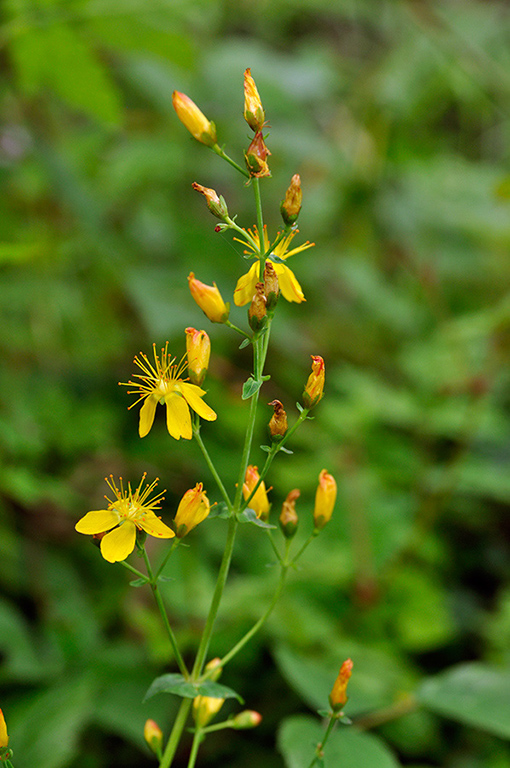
[289, 286]
[162, 383]
[4, 738]
[127, 512]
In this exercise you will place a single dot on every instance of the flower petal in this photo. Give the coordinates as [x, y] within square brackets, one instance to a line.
[245, 288]
[97, 521]
[119, 543]
[154, 526]
[147, 412]
[178, 419]
[289, 285]
[192, 394]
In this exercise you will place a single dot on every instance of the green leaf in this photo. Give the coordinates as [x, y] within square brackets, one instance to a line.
[138, 582]
[219, 510]
[250, 387]
[172, 683]
[244, 343]
[250, 516]
[217, 691]
[298, 737]
[474, 694]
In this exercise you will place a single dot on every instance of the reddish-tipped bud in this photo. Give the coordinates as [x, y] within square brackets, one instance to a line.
[198, 348]
[338, 696]
[259, 502]
[153, 735]
[4, 738]
[271, 286]
[214, 669]
[278, 424]
[315, 384]
[247, 719]
[216, 203]
[195, 121]
[255, 157]
[209, 300]
[253, 110]
[288, 517]
[257, 312]
[291, 205]
[193, 508]
[325, 498]
[204, 709]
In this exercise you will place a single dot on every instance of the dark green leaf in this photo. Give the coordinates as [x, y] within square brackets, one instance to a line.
[172, 683]
[250, 387]
[138, 582]
[250, 516]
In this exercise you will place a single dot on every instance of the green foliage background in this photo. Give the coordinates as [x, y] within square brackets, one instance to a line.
[396, 116]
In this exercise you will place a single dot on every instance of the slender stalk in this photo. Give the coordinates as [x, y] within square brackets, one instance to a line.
[197, 739]
[221, 152]
[175, 544]
[239, 330]
[209, 462]
[260, 223]
[161, 606]
[320, 747]
[305, 545]
[175, 736]
[133, 570]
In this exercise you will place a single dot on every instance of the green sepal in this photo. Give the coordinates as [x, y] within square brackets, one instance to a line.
[177, 685]
[265, 448]
[249, 515]
[299, 407]
[250, 388]
[244, 343]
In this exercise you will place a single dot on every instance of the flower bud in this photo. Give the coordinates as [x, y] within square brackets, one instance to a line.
[325, 498]
[198, 348]
[204, 709]
[215, 203]
[255, 157]
[153, 735]
[253, 110]
[257, 312]
[315, 384]
[338, 697]
[4, 738]
[278, 423]
[291, 206]
[193, 508]
[209, 300]
[288, 516]
[271, 286]
[246, 719]
[259, 502]
[214, 667]
[194, 120]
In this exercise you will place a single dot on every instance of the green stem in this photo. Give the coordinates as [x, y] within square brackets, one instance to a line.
[244, 234]
[320, 747]
[197, 739]
[220, 151]
[175, 736]
[161, 606]
[239, 330]
[305, 545]
[260, 224]
[209, 462]
[175, 544]
[133, 570]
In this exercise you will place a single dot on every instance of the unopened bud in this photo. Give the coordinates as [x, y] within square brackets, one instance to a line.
[255, 157]
[204, 709]
[325, 498]
[288, 517]
[192, 510]
[315, 384]
[214, 668]
[259, 501]
[271, 286]
[209, 300]
[216, 203]
[198, 348]
[195, 121]
[278, 424]
[247, 719]
[153, 735]
[338, 696]
[253, 110]
[291, 205]
[257, 312]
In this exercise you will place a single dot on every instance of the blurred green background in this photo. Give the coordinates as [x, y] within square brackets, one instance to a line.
[396, 115]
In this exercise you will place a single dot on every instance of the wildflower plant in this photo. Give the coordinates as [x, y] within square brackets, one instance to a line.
[178, 383]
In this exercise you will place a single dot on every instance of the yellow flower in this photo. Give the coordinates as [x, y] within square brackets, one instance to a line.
[161, 383]
[193, 508]
[198, 349]
[253, 109]
[194, 119]
[338, 696]
[314, 388]
[129, 511]
[259, 501]
[4, 738]
[325, 498]
[208, 298]
[204, 709]
[289, 286]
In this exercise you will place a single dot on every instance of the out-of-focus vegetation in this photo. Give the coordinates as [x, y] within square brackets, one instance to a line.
[397, 117]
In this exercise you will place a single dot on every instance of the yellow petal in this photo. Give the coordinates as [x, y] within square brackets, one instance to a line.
[245, 288]
[289, 285]
[119, 543]
[97, 521]
[147, 412]
[178, 420]
[152, 525]
[192, 394]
